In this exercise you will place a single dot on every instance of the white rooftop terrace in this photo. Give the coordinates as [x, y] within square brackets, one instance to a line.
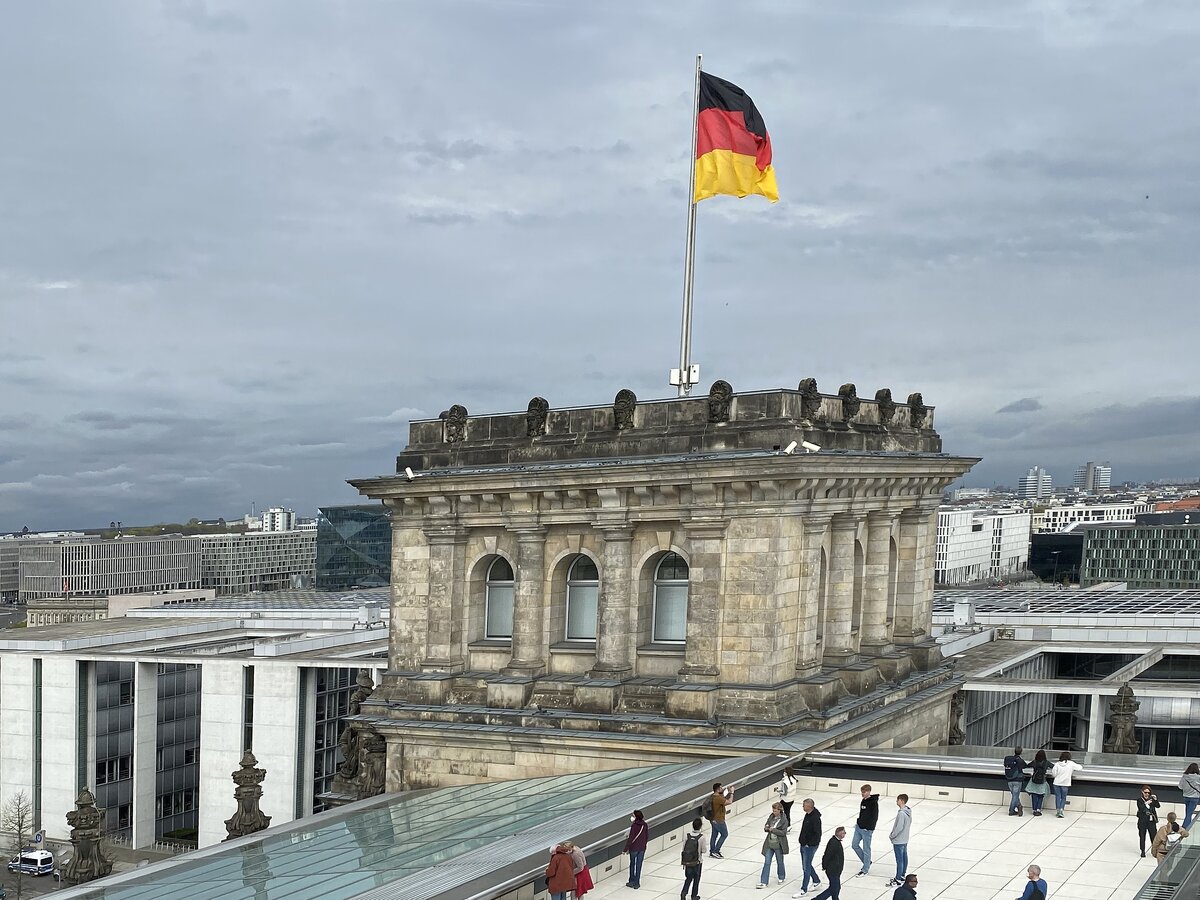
[958, 850]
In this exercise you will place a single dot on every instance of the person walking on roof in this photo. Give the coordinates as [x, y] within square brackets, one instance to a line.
[1168, 836]
[907, 889]
[810, 840]
[864, 828]
[775, 844]
[715, 808]
[833, 860]
[560, 876]
[787, 792]
[689, 858]
[1189, 784]
[1147, 816]
[1035, 888]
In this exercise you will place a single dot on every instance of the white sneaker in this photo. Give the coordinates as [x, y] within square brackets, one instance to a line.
[799, 893]
[760, 886]
[781, 881]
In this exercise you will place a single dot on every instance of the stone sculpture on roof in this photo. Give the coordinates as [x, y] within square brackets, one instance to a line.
[248, 818]
[88, 861]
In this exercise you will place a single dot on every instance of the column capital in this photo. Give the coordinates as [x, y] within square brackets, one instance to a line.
[818, 523]
[846, 521]
[528, 533]
[880, 516]
[617, 532]
[701, 529]
[916, 514]
[444, 534]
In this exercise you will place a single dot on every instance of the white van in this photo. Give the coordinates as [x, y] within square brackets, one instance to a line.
[32, 862]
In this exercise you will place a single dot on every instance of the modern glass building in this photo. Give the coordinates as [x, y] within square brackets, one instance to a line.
[1143, 556]
[354, 547]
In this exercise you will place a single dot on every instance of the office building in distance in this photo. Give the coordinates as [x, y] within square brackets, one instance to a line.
[96, 568]
[1036, 484]
[278, 519]
[354, 547]
[1093, 478]
[1142, 555]
[1055, 519]
[977, 544]
[257, 561]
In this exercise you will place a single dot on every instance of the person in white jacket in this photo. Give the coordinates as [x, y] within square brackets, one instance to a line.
[1062, 773]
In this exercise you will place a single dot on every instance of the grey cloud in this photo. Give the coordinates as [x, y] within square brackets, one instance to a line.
[1025, 404]
[201, 16]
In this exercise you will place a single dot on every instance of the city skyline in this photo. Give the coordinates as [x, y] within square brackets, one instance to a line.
[244, 247]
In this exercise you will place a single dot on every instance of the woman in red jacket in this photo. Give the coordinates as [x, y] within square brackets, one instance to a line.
[560, 876]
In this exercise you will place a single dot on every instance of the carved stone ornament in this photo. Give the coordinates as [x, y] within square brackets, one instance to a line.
[810, 400]
[1122, 715]
[374, 765]
[887, 406]
[455, 424]
[348, 740]
[248, 818]
[720, 396]
[918, 412]
[535, 417]
[88, 862]
[955, 735]
[623, 407]
[850, 401]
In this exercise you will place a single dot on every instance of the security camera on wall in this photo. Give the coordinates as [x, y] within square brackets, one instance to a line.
[809, 447]
[790, 448]
[409, 473]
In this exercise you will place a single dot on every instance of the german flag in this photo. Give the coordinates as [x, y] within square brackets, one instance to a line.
[733, 150]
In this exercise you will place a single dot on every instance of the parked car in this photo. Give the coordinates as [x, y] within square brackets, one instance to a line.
[32, 862]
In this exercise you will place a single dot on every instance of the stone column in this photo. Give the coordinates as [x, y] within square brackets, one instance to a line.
[443, 637]
[705, 545]
[914, 580]
[808, 656]
[839, 646]
[614, 613]
[529, 608]
[873, 633]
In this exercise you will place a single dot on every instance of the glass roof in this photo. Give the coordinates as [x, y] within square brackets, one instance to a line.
[343, 854]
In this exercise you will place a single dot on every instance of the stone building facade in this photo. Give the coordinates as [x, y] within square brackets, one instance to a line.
[590, 582]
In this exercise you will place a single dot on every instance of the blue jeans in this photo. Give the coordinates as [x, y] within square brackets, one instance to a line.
[833, 892]
[635, 867]
[861, 845]
[691, 879]
[766, 872]
[901, 851]
[720, 831]
[1189, 810]
[1060, 796]
[561, 895]
[806, 858]
[1036, 801]
[1014, 788]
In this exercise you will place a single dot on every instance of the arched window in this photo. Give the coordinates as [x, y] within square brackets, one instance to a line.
[499, 599]
[670, 600]
[583, 590]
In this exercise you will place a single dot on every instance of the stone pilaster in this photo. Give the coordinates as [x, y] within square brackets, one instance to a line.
[839, 648]
[914, 585]
[808, 655]
[446, 611]
[702, 654]
[529, 608]
[614, 615]
[873, 633]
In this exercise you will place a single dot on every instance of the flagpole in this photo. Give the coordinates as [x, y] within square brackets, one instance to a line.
[689, 266]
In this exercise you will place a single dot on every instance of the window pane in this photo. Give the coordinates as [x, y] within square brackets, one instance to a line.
[583, 569]
[499, 611]
[581, 612]
[500, 570]
[670, 612]
[672, 568]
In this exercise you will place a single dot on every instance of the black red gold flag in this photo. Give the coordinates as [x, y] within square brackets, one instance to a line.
[733, 149]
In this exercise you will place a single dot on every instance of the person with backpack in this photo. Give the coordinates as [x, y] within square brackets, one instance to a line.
[1147, 816]
[1166, 839]
[1035, 888]
[689, 858]
[864, 828]
[1039, 784]
[1014, 774]
[635, 846]
[714, 810]
[906, 889]
[775, 845]
[786, 789]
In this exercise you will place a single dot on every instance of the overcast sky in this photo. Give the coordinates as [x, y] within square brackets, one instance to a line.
[242, 244]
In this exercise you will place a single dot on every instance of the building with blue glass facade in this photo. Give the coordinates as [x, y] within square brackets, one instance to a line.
[354, 547]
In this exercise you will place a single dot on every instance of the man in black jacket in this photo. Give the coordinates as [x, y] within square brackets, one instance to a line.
[864, 828]
[810, 840]
[832, 861]
[908, 890]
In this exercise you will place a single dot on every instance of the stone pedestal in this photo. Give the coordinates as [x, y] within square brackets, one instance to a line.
[248, 819]
[88, 861]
